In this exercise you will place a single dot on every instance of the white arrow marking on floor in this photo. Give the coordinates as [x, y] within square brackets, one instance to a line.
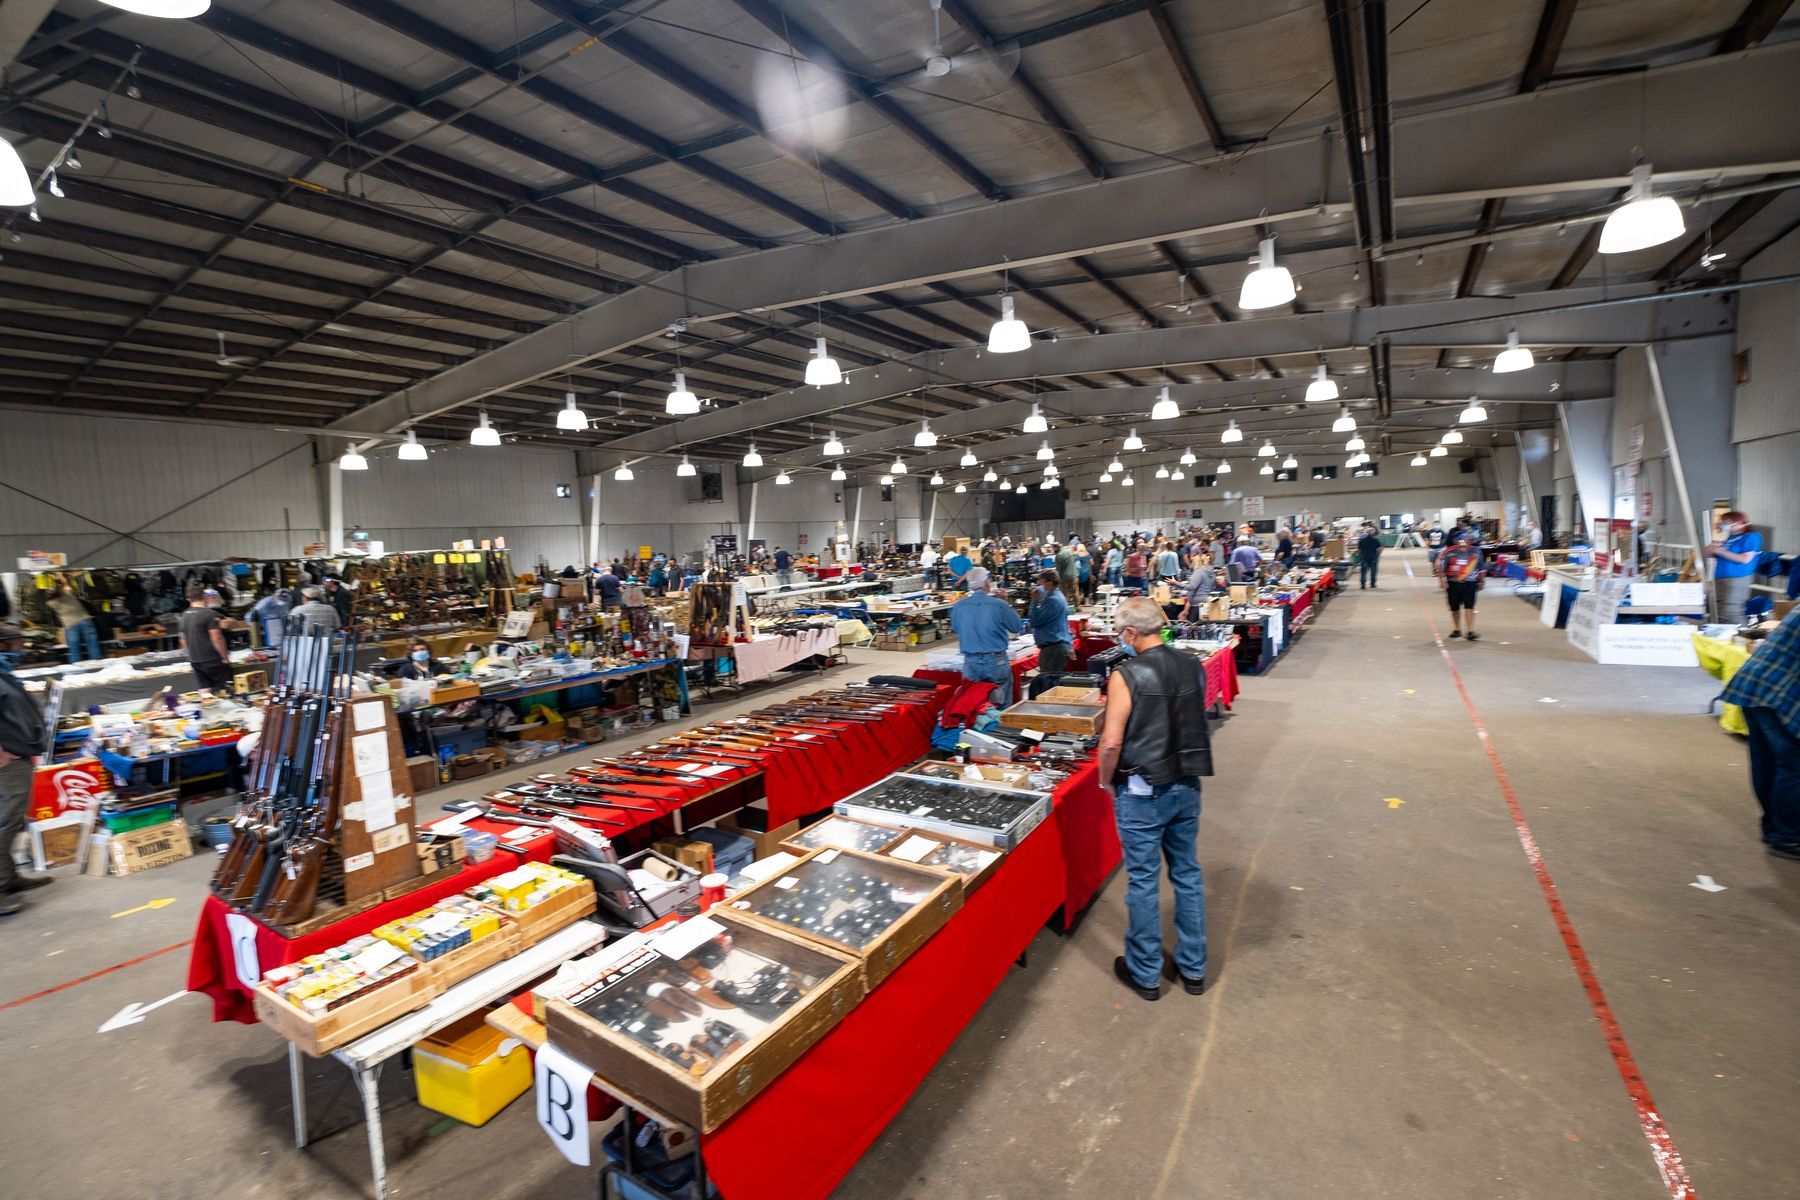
[131, 1014]
[1705, 883]
[1546, 699]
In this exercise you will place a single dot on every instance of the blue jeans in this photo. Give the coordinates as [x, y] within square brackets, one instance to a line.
[1367, 569]
[991, 668]
[1162, 825]
[83, 640]
[1115, 576]
[1775, 775]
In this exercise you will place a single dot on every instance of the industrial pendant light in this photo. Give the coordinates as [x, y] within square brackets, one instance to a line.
[1474, 412]
[1345, 423]
[1115, 465]
[990, 476]
[886, 480]
[1126, 482]
[484, 434]
[832, 447]
[161, 8]
[752, 458]
[1418, 460]
[822, 369]
[412, 450]
[1267, 469]
[1290, 463]
[898, 467]
[1267, 285]
[571, 418]
[969, 460]
[15, 180]
[1047, 485]
[1187, 457]
[961, 488]
[623, 474]
[837, 475]
[1231, 433]
[1052, 470]
[352, 461]
[1162, 472]
[783, 479]
[1266, 450]
[1643, 220]
[924, 439]
[1134, 442]
[1439, 452]
[1322, 387]
[685, 469]
[1045, 453]
[681, 402]
[1106, 477]
[1452, 438]
[1165, 409]
[1224, 468]
[937, 479]
[1514, 358]
[1009, 335]
[1036, 422]
[1355, 443]
[1176, 474]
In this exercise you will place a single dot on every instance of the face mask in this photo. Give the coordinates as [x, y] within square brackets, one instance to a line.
[10, 660]
[420, 656]
[1129, 649]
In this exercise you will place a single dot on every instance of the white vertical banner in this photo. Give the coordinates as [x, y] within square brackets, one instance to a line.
[244, 959]
[562, 1102]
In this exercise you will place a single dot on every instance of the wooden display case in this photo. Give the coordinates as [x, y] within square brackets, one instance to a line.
[971, 864]
[320, 1034]
[1050, 716]
[845, 833]
[708, 1099]
[938, 898]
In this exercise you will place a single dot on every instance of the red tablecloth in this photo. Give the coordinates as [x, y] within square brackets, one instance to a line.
[1020, 668]
[1090, 840]
[1221, 678]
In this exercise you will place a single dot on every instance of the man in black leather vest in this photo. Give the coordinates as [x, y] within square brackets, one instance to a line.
[1153, 750]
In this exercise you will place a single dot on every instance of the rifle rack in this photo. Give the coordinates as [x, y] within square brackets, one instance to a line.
[376, 835]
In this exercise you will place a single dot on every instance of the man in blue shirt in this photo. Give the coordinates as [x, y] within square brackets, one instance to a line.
[1245, 561]
[610, 586]
[1048, 618]
[784, 563]
[984, 624]
[1767, 686]
[1734, 557]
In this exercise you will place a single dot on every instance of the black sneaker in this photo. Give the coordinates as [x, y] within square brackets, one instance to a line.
[1787, 850]
[1144, 993]
[24, 883]
[1473, 636]
[9, 904]
[1456, 633]
[1193, 987]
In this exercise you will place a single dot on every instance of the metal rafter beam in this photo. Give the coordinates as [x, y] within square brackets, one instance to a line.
[1358, 140]
[1185, 69]
[1756, 22]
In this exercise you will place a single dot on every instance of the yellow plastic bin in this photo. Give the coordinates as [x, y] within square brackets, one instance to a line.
[470, 1070]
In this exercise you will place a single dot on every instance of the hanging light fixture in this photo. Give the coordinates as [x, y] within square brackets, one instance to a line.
[752, 458]
[1176, 474]
[1418, 460]
[1473, 413]
[1009, 335]
[1134, 442]
[15, 180]
[990, 476]
[968, 459]
[783, 479]
[832, 447]
[1452, 438]
[1643, 220]
[1322, 387]
[1162, 472]
[352, 461]
[1106, 477]
[571, 418]
[1345, 423]
[484, 434]
[1231, 432]
[623, 474]
[886, 480]
[1047, 485]
[1052, 470]
[681, 402]
[1126, 482]
[837, 475]
[822, 369]
[937, 479]
[1224, 468]
[1267, 285]
[1266, 450]
[1165, 409]
[1115, 465]
[1439, 451]
[1514, 358]
[1266, 469]
[898, 467]
[1354, 444]
[412, 450]
[161, 8]
[1036, 422]
[924, 439]
[1290, 463]
[961, 488]
[1187, 457]
[1045, 453]
[685, 469]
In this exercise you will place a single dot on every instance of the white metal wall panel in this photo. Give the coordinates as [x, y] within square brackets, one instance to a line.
[1769, 328]
[1769, 489]
[1634, 404]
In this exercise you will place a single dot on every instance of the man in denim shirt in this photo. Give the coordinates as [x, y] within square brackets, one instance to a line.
[984, 624]
[1048, 620]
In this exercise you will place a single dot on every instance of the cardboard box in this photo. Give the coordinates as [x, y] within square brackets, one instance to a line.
[450, 693]
[1334, 549]
[1216, 609]
[697, 855]
[423, 772]
[540, 731]
[746, 821]
[473, 766]
[1243, 593]
[152, 846]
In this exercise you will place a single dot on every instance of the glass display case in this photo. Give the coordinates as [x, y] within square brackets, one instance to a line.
[845, 834]
[971, 811]
[969, 862]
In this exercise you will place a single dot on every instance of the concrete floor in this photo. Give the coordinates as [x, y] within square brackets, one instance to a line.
[1392, 1011]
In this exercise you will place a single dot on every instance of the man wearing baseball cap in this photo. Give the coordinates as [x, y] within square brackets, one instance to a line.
[1459, 574]
[21, 741]
[203, 636]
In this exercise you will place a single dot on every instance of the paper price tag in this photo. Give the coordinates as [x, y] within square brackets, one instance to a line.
[786, 882]
[827, 856]
[914, 848]
[682, 940]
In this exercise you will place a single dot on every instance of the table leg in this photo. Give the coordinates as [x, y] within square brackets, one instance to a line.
[368, 1082]
[297, 1089]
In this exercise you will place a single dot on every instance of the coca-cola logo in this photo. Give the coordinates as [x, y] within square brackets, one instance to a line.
[76, 789]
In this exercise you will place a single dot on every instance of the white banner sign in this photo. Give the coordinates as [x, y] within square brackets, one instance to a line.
[243, 948]
[562, 1103]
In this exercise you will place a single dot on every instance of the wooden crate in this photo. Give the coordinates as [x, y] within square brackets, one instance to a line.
[320, 1035]
[879, 837]
[896, 944]
[1074, 695]
[707, 1101]
[904, 848]
[1048, 717]
[480, 954]
[565, 908]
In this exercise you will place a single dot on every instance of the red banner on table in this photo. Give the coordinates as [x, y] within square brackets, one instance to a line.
[71, 787]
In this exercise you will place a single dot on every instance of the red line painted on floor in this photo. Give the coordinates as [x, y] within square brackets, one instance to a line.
[1662, 1143]
[61, 987]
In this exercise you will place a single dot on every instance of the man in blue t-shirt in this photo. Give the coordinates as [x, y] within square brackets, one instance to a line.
[784, 566]
[1734, 557]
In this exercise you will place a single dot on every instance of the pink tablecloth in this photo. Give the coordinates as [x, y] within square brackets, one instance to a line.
[772, 651]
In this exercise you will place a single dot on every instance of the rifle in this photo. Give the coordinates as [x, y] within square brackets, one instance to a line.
[268, 752]
[297, 894]
[632, 764]
[254, 890]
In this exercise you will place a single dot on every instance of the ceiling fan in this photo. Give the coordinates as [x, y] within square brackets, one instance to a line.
[232, 360]
[1182, 303]
[979, 70]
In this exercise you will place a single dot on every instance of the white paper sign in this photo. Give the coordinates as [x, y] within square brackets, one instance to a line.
[243, 948]
[453, 824]
[682, 940]
[377, 800]
[369, 751]
[914, 848]
[562, 1102]
[369, 715]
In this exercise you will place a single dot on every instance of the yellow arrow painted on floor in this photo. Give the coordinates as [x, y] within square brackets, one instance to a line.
[1394, 802]
[1408, 692]
[145, 907]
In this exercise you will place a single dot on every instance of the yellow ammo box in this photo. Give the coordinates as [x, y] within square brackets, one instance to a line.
[470, 1070]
